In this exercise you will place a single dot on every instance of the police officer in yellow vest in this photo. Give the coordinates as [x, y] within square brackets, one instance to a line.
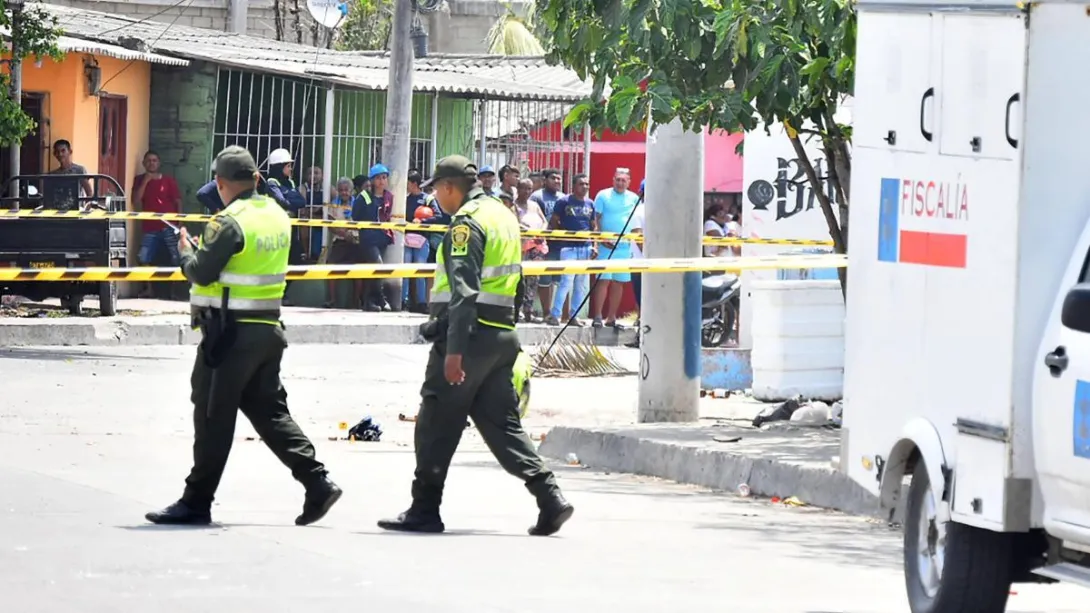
[238, 274]
[474, 349]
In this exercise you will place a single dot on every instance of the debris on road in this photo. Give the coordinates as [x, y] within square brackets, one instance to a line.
[799, 412]
[366, 430]
[744, 491]
[576, 360]
[814, 413]
[782, 412]
[718, 393]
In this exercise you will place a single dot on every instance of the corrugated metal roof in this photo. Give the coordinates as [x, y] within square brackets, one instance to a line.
[78, 45]
[478, 76]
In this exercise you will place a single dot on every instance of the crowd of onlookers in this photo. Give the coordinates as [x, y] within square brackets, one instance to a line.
[538, 201]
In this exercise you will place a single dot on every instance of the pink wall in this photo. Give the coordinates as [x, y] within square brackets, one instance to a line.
[722, 166]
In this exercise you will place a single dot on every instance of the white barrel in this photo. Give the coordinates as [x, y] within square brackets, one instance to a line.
[798, 340]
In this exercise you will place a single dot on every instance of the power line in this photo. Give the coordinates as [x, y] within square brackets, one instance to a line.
[148, 18]
[153, 43]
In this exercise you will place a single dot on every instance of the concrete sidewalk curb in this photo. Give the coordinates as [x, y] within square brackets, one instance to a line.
[112, 332]
[720, 470]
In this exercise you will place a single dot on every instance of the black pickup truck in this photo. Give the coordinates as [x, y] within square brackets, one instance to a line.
[26, 242]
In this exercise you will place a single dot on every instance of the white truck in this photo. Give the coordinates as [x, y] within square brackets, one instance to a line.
[967, 372]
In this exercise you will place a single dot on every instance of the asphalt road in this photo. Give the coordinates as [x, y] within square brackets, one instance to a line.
[92, 439]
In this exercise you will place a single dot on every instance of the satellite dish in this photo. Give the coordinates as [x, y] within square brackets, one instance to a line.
[329, 13]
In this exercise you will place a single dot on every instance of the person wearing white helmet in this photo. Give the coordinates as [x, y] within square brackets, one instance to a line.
[280, 186]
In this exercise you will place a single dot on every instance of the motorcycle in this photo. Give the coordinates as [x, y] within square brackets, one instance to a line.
[720, 304]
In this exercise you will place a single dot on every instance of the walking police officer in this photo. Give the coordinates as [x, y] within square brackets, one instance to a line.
[238, 273]
[474, 348]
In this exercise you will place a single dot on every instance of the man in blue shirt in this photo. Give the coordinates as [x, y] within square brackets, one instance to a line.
[374, 206]
[575, 213]
[614, 209]
[546, 198]
[209, 197]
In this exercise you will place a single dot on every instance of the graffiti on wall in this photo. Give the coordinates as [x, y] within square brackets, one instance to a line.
[790, 190]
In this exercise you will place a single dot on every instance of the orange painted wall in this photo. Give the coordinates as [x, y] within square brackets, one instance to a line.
[73, 115]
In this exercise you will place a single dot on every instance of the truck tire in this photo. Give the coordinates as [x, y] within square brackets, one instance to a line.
[107, 299]
[952, 568]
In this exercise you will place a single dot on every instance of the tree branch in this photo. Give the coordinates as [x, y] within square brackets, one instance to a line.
[843, 157]
[823, 198]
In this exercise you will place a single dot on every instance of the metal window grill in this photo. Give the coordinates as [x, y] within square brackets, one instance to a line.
[263, 112]
[359, 124]
[529, 135]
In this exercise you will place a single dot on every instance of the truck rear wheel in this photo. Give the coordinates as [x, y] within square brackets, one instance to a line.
[107, 299]
[951, 567]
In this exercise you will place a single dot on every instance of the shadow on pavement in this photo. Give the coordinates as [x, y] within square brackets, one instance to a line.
[456, 532]
[61, 354]
[842, 538]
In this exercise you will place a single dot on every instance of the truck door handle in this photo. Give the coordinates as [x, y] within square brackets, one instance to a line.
[1056, 361]
[1013, 142]
[930, 93]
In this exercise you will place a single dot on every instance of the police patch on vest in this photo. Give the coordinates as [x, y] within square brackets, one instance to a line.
[211, 230]
[459, 240]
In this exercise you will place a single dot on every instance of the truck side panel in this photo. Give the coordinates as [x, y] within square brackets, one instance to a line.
[933, 263]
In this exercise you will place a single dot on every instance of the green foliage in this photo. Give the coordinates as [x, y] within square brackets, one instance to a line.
[33, 39]
[727, 64]
[367, 26]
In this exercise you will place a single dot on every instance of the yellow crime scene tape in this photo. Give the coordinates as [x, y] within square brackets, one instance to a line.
[393, 271]
[399, 226]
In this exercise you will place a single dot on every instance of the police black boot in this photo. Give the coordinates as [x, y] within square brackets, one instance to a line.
[321, 496]
[180, 514]
[553, 512]
[414, 520]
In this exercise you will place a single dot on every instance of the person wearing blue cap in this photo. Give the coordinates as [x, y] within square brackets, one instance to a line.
[374, 205]
[487, 176]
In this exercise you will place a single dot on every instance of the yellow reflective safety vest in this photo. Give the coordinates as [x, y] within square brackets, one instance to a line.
[256, 275]
[502, 265]
[520, 377]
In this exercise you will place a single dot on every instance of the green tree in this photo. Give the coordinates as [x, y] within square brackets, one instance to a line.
[727, 64]
[36, 38]
[367, 26]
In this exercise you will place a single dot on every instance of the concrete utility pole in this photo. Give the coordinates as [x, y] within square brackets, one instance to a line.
[236, 14]
[15, 151]
[395, 140]
[670, 316]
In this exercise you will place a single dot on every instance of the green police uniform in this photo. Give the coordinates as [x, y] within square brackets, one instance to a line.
[473, 315]
[238, 273]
